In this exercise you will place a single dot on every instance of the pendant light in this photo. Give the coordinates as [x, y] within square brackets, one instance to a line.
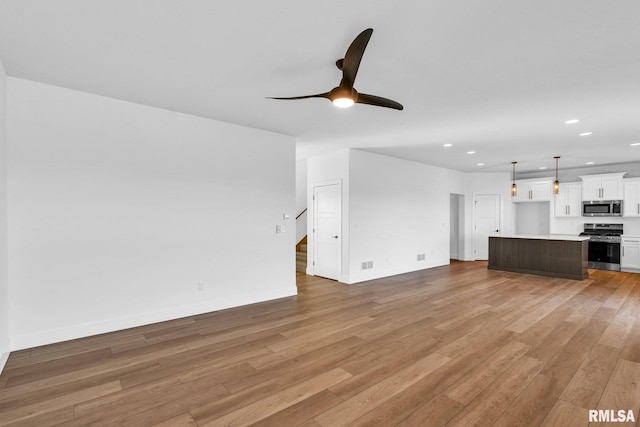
[556, 183]
[514, 187]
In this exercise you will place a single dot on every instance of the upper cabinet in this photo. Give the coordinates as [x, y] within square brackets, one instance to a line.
[533, 190]
[568, 202]
[606, 186]
[631, 205]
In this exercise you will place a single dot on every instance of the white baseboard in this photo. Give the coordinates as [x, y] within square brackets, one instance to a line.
[25, 341]
[363, 276]
[3, 361]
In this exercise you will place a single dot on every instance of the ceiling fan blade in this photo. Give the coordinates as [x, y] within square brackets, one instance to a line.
[379, 101]
[352, 58]
[320, 95]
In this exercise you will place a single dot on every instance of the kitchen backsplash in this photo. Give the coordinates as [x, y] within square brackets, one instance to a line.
[575, 226]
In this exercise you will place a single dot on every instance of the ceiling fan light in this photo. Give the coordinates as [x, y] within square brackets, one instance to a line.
[343, 102]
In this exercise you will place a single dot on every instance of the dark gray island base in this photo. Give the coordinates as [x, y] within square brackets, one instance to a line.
[553, 256]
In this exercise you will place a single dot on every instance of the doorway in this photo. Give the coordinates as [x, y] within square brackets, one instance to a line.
[456, 227]
[486, 220]
[327, 230]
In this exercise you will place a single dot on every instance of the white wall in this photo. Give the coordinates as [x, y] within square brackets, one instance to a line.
[395, 209]
[532, 218]
[322, 169]
[301, 199]
[457, 223]
[301, 186]
[454, 235]
[462, 237]
[4, 287]
[118, 211]
[398, 209]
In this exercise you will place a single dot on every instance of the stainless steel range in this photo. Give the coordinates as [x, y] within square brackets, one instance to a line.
[604, 245]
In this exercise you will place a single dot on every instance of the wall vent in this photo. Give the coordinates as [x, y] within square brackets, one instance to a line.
[367, 265]
[421, 257]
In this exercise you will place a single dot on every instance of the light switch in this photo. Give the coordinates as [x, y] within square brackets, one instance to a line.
[285, 216]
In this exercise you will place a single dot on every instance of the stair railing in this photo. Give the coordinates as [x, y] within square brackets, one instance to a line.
[301, 225]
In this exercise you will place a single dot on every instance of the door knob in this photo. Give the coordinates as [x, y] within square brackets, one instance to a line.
[334, 237]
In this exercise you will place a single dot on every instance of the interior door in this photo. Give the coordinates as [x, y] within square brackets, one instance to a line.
[486, 214]
[327, 220]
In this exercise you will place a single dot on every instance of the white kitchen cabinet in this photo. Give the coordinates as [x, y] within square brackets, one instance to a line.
[606, 186]
[568, 202]
[630, 259]
[631, 200]
[535, 190]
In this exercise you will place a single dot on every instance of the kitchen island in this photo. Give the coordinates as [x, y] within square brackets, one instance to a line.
[546, 255]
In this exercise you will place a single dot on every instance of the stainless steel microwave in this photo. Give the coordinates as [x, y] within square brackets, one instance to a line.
[602, 208]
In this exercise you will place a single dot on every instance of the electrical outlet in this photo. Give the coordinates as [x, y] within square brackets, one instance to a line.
[200, 286]
[421, 257]
[367, 265]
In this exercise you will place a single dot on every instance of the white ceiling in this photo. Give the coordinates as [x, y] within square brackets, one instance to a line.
[497, 77]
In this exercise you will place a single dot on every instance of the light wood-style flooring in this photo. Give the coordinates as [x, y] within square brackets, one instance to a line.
[454, 345]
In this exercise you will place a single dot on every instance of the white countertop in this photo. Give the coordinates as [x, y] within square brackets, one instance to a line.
[566, 237]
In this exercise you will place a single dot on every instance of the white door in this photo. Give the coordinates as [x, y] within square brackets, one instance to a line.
[327, 226]
[486, 214]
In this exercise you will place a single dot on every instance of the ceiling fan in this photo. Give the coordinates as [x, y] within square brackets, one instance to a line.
[345, 95]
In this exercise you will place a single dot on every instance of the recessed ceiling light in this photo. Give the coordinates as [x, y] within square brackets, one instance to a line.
[634, 144]
[480, 164]
[572, 121]
[586, 133]
[471, 152]
[542, 167]
[447, 145]
[590, 163]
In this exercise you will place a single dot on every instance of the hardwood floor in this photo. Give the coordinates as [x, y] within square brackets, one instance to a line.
[453, 345]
